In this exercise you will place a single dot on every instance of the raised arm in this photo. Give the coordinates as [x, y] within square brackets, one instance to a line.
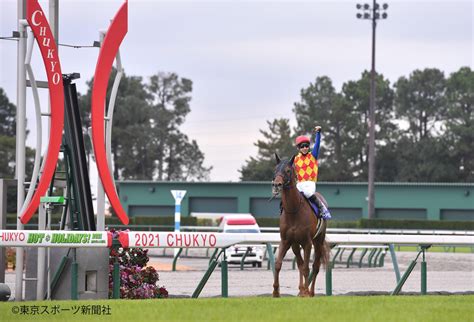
[317, 142]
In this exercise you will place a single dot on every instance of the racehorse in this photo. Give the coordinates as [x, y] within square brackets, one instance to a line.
[299, 227]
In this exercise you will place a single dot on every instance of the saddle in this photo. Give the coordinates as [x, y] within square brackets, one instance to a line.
[316, 209]
[313, 206]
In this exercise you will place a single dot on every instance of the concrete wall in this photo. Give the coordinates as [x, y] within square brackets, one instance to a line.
[347, 200]
[93, 273]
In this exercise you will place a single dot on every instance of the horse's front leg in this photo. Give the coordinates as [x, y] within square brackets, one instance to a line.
[299, 261]
[307, 254]
[282, 249]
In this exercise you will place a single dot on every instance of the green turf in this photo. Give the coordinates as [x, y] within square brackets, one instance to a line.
[335, 308]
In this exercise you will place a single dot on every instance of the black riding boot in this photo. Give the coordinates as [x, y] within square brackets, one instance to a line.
[323, 211]
[315, 200]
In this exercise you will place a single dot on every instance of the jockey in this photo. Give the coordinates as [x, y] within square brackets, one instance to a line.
[306, 167]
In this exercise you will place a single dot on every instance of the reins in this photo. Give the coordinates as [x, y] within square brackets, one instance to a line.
[288, 183]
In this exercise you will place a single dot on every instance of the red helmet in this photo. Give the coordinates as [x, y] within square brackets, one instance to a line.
[301, 139]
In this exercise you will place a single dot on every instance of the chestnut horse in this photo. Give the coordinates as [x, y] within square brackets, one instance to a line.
[299, 227]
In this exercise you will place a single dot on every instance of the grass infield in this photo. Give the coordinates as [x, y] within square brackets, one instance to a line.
[335, 308]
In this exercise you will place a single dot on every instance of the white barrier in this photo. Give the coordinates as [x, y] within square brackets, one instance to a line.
[54, 238]
[222, 240]
[74, 239]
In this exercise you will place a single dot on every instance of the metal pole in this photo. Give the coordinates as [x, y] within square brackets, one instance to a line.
[54, 25]
[74, 276]
[54, 18]
[3, 225]
[213, 256]
[20, 139]
[206, 276]
[178, 196]
[371, 174]
[242, 260]
[402, 281]
[41, 268]
[224, 276]
[48, 257]
[329, 279]
[100, 189]
[423, 272]
[394, 262]
[100, 205]
[116, 280]
[271, 257]
[175, 259]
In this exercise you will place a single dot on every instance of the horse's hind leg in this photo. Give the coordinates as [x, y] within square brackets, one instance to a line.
[316, 266]
[299, 262]
[282, 249]
[307, 254]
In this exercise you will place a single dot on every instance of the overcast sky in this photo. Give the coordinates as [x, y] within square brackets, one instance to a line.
[248, 60]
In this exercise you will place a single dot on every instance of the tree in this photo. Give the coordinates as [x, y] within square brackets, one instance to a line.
[427, 160]
[7, 116]
[438, 144]
[170, 97]
[277, 139]
[182, 167]
[357, 96]
[130, 127]
[320, 104]
[146, 132]
[8, 142]
[420, 100]
[8, 147]
[459, 121]
[7, 136]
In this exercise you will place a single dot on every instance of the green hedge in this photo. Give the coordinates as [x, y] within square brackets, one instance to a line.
[55, 218]
[415, 224]
[275, 222]
[149, 220]
[386, 224]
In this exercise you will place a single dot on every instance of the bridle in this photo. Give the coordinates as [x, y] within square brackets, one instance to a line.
[288, 179]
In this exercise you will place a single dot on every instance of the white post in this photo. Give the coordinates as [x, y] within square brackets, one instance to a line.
[20, 139]
[178, 196]
[41, 256]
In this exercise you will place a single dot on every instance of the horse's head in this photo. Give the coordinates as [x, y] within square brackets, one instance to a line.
[284, 175]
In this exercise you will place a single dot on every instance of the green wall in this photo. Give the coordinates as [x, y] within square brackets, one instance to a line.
[347, 200]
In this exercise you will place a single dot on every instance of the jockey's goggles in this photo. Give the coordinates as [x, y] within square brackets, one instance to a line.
[303, 145]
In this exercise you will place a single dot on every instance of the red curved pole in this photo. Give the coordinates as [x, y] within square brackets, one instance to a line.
[47, 45]
[108, 51]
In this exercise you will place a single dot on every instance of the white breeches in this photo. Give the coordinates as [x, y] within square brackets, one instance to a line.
[308, 188]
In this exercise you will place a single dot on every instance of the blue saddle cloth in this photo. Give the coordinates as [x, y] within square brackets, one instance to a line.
[315, 208]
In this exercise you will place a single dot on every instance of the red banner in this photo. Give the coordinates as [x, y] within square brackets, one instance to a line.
[47, 45]
[108, 51]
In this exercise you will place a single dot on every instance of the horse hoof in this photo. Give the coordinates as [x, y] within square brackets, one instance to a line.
[311, 294]
[304, 294]
[276, 294]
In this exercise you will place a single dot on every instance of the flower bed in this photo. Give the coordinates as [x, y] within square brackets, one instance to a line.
[137, 281]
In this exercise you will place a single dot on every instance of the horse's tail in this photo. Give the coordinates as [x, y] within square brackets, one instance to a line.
[325, 252]
[325, 248]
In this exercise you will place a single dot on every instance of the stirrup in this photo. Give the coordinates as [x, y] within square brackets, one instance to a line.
[324, 212]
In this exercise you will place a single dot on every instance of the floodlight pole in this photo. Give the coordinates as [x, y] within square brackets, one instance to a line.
[372, 13]
[371, 174]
